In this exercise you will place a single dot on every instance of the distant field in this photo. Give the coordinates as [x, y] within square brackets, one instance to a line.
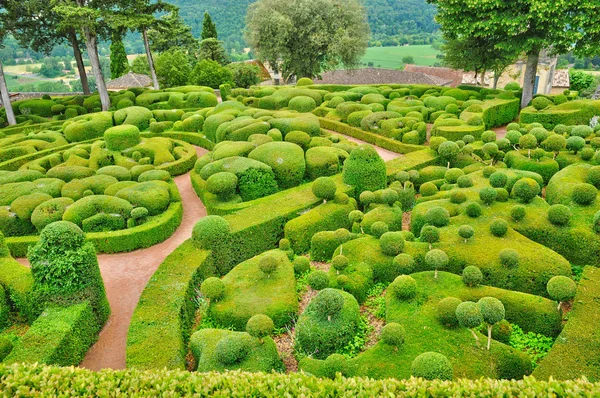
[20, 68]
[391, 57]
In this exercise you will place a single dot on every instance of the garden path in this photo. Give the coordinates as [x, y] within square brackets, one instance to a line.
[384, 153]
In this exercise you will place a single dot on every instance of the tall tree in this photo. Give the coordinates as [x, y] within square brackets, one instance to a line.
[304, 37]
[213, 50]
[172, 32]
[526, 26]
[88, 16]
[36, 26]
[209, 29]
[119, 65]
[4, 94]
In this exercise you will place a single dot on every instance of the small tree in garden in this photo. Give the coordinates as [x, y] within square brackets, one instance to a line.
[404, 287]
[446, 311]
[393, 334]
[488, 195]
[448, 151]
[466, 232]
[324, 188]
[575, 144]
[469, 316]
[472, 276]
[492, 311]
[212, 288]
[268, 265]
[529, 142]
[328, 303]
[430, 234]
[436, 259]
[561, 289]
[555, 143]
[365, 170]
[526, 189]
[260, 326]
[339, 263]
[318, 280]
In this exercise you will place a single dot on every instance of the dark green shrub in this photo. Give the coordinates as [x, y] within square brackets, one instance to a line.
[584, 194]
[356, 216]
[222, 184]
[464, 182]
[324, 188]
[432, 366]
[393, 334]
[437, 216]
[469, 316]
[403, 264]
[328, 303]
[154, 175]
[492, 311]
[429, 234]
[318, 280]
[286, 160]
[209, 231]
[256, 183]
[428, 189]
[365, 170]
[446, 311]
[575, 144]
[509, 258]
[260, 326]
[212, 288]
[498, 227]
[498, 179]
[404, 287]
[501, 331]
[559, 214]
[232, 349]
[436, 259]
[302, 104]
[473, 209]
[378, 228]
[582, 131]
[392, 243]
[472, 276]
[466, 232]
[561, 288]
[488, 195]
[517, 212]
[526, 189]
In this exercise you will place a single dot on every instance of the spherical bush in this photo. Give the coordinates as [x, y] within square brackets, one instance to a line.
[428, 189]
[62, 235]
[468, 139]
[498, 179]
[469, 315]
[464, 182]
[212, 288]
[260, 326]
[339, 262]
[501, 331]
[452, 175]
[473, 209]
[302, 104]
[517, 212]
[355, 216]
[559, 214]
[328, 303]
[498, 227]
[404, 287]
[446, 311]
[301, 265]
[268, 264]
[304, 81]
[366, 198]
[402, 176]
[436, 259]
[284, 244]
[502, 195]
[488, 136]
[222, 184]
[575, 144]
[492, 310]
[561, 288]
[404, 263]
[582, 131]
[488, 171]
[437, 216]
[232, 349]
[584, 194]
[432, 366]
[210, 231]
[509, 258]
[389, 196]
[526, 189]
[488, 195]
[458, 197]
[429, 234]
[379, 228]
[121, 137]
[466, 231]
[318, 280]
[391, 243]
[393, 334]
[472, 276]
[587, 154]
[324, 188]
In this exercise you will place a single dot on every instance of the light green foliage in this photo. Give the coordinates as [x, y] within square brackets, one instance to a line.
[561, 288]
[260, 326]
[446, 311]
[324, 188]
[286, 160]
[432, 366]
[209, 231]
[213, 288]
[404, 287]
[173, 68]
[365, 170]
[393, 334]
[472, 276]
[469, 315]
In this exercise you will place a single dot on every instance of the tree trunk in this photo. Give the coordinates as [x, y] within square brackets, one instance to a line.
[150, 60]
[79, 61]
[476, 338]
[10, 115]
[92, 50]
[483, 77]
[496, 78]
[530, 72]
[489, 337]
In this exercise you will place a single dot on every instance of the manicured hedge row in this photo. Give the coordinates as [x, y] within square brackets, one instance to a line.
[162, 321]
[145, 235]
[569, 113]
[61, 335]
[371, 138]
[17, 282]
[29, 126]
[197, 139]
[499, 112]
[30, 380]
[412, 161]
[575, 351]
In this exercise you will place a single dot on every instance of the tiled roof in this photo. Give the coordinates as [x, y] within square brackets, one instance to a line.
[129, 80]
[379, 76]
[447, 74]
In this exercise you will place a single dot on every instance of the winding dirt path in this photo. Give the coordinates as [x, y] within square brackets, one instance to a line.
[125, 276]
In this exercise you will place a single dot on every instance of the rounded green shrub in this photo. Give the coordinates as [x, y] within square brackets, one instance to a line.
[488, 195]
[575, 144]
[355, 215]
[286, 160]
[232, 349]
[437, 216]
[268, 264]
[492, 310]
[62, 234]
[260, 326]
[436, 259]
[209, 231]
[452, 175]
[389, 196]
[318, 280]
[328, 303]
[393, 334]
[457, 197]
[428, 189]
[365, 170]
[154, 175]
[509, 258]
[299, 138]
[473, 209]
[304, 81]
[472, 276]
[582, 131]
[378, 228]
[339, 262]
[584, 194]
[559, 214]
[24, 206]
[404, 264]
[404, 287]
[432, 366]
[96, 204]
[301, 265]
[212, 288]
[526, 189]
[498, 179]
[324, 188]
[469, 315]
[119, 138]
[429, 234]
[466, 232]
[222, 184]
[464, 182]
[596, 222]
[139, 213]
[446, 311]
[119, 172]
[302, 104]
[498, 227]
[561, 288]
[153, 195]
[392, 243]
[517, 212]
[50, 211]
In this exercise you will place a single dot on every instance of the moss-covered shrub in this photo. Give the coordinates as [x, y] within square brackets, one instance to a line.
[119, 138]
[365, 170]
[404, 287]
[472, 276]
[209, 231]
[446, 311]
[559, 214]
[561, 288]
[432, 366]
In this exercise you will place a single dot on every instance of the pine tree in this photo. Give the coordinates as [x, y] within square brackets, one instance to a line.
[118, 57]
[209, 29]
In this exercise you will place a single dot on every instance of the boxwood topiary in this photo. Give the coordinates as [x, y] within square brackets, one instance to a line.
[222, 184]
[464, 182]
[212, 288]
[209, 231]
[232, 348]
[393, 334]
[432, 366]
[119, 138]
[466, 232]
[324, 188]
[488, 195]
[584, 194]
[561, 288]
[365, 170]
[437, 216]
[318, 280]
[526, 189]
[378, 228]
[404, 287]
[403, 264]
[392, 243]
[559, 214]
[260, 326]
[339, 262]
[509, 258]
[446, 311]
[473, 209]
[498, 227]
[286, 160]
[301, 265]
[428, 189]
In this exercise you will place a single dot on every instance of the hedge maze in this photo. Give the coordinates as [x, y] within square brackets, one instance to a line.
[473, 254]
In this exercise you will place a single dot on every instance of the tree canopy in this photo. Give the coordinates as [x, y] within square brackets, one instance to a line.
[209, 29]
[302, 38]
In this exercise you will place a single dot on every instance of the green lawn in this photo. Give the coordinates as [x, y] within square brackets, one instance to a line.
[391, 57]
